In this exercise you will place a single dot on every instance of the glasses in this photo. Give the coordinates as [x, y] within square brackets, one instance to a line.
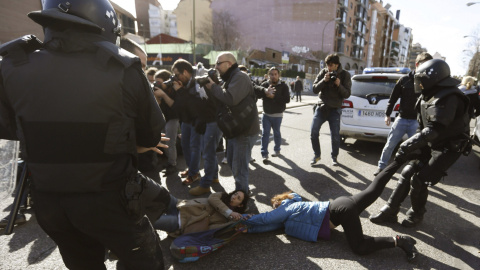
[219, 63]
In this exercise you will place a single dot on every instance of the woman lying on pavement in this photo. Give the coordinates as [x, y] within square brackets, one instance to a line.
[201, 214]
[310, 221]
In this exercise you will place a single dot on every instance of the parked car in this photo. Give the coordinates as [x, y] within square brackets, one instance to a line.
[363, 113]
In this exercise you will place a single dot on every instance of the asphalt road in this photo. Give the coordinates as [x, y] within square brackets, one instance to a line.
[448, 238]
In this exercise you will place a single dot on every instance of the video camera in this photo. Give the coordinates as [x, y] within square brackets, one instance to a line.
[203, 80]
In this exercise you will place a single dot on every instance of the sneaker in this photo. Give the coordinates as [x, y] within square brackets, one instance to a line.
[408, 245]
[19, 220]
[377, 172]
[265, 159]
[224, 160]
[252, 160]
[334, 161]
[216, 180]
[276, 154]
[315, 160]
[171, 169]
[197, 191]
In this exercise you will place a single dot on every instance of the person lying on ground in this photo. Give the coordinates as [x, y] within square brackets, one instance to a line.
[201, 214]
[310, 221]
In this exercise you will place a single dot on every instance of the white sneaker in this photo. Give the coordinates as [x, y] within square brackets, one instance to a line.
[224, 160]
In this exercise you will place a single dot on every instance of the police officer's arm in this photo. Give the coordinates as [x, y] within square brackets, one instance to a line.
[442, 115]
[149, 120]
[7, 116]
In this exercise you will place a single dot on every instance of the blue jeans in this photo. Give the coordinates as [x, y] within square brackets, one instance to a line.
[400, 127]
[168, 222]
[171, 131]
[209, 146]
[239, 150]
[191, 148]
[333, 118]
[268, 123]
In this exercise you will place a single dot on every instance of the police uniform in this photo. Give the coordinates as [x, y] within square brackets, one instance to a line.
[442, 112]
[80, 114]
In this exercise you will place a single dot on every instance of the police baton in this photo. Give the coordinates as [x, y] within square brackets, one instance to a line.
[17, 201]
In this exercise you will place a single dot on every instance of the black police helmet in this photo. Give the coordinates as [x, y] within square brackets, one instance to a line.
[435, 72]
[97, 16]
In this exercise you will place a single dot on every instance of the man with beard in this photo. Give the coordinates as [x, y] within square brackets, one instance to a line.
[236, 88]
[275, 96]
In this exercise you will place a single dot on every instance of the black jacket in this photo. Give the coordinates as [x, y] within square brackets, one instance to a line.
[278, 103]
[84, 108]
[328, 93]
[404, 89]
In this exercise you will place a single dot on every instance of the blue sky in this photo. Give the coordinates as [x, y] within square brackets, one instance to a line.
[438, 25]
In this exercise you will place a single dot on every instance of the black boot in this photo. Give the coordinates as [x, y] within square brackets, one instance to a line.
[413, 218]
[386, 214]
[19, 220]
[408, 245]
[418, 197]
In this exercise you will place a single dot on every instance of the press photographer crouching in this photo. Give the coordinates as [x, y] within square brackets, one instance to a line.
[332, 85]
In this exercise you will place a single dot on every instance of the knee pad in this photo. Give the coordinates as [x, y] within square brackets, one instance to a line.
[407, 173]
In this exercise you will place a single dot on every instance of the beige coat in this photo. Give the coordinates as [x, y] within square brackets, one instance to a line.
[202, 214]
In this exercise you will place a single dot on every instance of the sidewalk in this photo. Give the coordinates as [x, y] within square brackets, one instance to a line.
[308, 98]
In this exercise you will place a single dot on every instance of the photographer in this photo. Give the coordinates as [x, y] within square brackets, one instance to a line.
[275, 96]
[165, 95]
[200, 133]
[236, 88]
[332, 85]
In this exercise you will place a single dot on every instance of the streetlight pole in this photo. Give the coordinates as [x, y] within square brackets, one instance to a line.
[323, 32]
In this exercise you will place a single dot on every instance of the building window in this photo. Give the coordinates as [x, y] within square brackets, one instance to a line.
[273, 55]
[316, 70]
[310, 70]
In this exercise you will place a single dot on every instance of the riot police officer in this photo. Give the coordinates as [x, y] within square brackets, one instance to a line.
[81, 115]
[443, 123]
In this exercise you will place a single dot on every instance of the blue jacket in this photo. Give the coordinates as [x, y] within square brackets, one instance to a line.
[300, 219]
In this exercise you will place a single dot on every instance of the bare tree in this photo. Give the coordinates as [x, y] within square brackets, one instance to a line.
[221, 31]
[472, 54]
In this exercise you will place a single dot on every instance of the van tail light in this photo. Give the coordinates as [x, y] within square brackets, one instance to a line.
[347, 104]
[397, 108]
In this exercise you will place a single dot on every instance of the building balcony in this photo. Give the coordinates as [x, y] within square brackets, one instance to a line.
[343, 3]
[362, 3]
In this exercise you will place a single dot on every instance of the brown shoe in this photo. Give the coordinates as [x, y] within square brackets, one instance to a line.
[197, 191]
[184, 174]
[190, 179]
[216, 180]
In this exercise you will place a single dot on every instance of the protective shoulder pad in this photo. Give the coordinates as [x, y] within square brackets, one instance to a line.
[28, 43]
[451, 91]
[109, 50]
